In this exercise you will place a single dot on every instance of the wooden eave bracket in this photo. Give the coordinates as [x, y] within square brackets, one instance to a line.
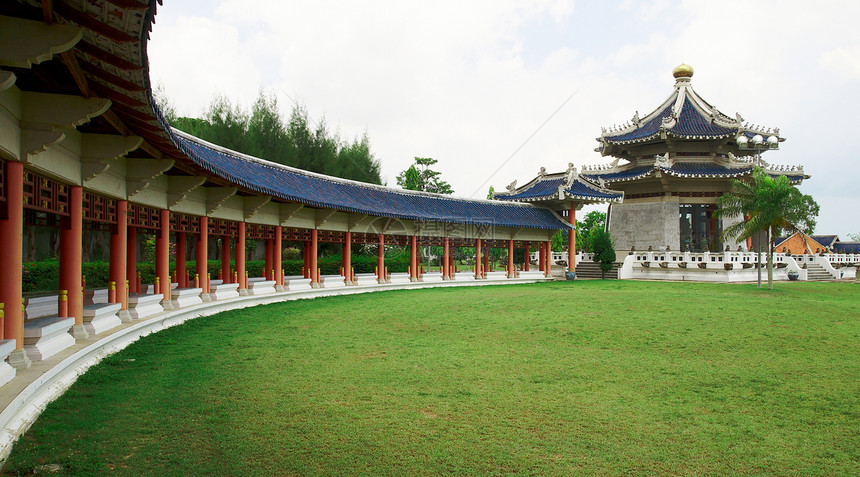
[7, 79]
[288, 211]
[253, 204]
[141, 172]
[99, 151]
[24, 43]
[37, 138]
[178, 187]
[60, 109]
[216, 196]
[516, 232]
[322, 216]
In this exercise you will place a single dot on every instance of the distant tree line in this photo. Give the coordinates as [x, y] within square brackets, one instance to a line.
[262, 132]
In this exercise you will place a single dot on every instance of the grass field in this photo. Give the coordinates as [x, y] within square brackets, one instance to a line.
[586, 377]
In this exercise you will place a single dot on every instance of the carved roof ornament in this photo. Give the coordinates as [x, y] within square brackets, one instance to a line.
[512, 186]
[662, 161]
[542, 172]
[571, 175]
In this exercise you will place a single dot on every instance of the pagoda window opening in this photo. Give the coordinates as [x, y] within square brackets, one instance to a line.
[699, 229]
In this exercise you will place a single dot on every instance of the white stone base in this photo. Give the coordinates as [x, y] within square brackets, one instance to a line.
[7, 372]
[432, 278]
[261, 287]
[223, 291]
[96, 295]
[143, 306]
[464, 276]
[40, 307]
[333, 281]
[497, 275]
[399, 278]
[101, 317]
[183, 297]
[297, 283]
[45, 337]
[531, 274]
[362, 279]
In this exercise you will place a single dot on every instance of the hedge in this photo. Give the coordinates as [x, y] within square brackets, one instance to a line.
[44, 276]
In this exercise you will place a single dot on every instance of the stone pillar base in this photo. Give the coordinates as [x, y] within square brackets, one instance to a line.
[280, 288]
[124, 316]
[205, 297]
[243, 292]
[166, 305]
[315, 285]
[18, 359]
[79, 332]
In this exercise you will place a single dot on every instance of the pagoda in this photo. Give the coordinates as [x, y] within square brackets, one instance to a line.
[674, 164]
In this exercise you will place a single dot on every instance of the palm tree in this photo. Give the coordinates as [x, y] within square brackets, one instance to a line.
[770, 204]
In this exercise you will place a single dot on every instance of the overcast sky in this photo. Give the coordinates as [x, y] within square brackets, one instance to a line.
[469, 82]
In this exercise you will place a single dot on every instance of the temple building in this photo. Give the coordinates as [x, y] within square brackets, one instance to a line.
[671, 166]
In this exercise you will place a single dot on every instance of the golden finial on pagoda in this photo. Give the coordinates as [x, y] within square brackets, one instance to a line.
[683, 71]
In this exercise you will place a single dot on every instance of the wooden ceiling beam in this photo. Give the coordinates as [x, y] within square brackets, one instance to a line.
[115, 95]
[129, 4]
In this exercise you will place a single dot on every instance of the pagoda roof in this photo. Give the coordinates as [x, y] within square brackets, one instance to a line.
[318, 190]
[559, 186]
[683, 115]
[725, 166]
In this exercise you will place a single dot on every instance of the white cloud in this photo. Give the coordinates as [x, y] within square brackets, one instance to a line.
[468, 82]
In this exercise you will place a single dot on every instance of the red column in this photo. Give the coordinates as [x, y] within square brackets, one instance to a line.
[277, 255]
[380, 260]
[181, 271]
[71, 244]
[511, 272]
[548, 260]
[478, 251]
[131, 260]
[202, 256]
[541, 256]
[240, 257]
[11, 253]
[225, 259]
[571, 239]
[306, 252]
[118, 253]
[346, 255]
[162, 255]
[486, 263]
[446, 260]
[315, 275]
[267, 267]
[413, 259]
[527, 257]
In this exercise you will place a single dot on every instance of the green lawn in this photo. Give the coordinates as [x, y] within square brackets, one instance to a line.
[586, 377]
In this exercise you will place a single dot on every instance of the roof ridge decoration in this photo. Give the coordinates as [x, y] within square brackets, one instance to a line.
[569, 184]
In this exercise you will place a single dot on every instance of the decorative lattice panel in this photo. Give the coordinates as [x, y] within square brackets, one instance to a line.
[46, 195]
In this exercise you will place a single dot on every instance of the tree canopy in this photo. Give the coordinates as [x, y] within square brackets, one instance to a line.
[262, 132]
[593, 220]
[769, 204]
[419, 176]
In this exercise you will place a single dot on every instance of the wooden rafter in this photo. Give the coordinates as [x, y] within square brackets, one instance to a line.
[93, 24]
[107, 57]
[110, 77]
[114, 95]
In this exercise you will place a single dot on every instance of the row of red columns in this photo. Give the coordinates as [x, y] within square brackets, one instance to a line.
[123, 243]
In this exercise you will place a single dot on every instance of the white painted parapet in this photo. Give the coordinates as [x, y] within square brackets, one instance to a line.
[7, 372]
[143, 306]
[261, 287]
[185, 297]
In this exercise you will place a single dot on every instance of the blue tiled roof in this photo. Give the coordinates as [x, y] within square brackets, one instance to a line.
[549, 187]
[826, 240]
[349, 196]
[705, 169]
[646, 130]
[632, 173]
[692, 123]
[846, 247]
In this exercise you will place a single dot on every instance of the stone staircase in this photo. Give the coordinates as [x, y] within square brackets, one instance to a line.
[587, 269]
[817, 273]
